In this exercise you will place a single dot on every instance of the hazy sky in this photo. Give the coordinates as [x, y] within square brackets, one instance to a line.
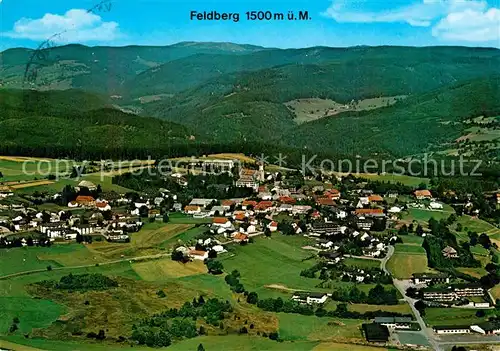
[332, 23]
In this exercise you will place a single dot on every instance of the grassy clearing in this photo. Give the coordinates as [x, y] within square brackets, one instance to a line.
[422, 216]
[276, 260]
[361, 263]
[15, 286]
[32, 258]
[184, 238]
[16, 169]
[311, 109]
[388, 177]
[496, 291]
[114, 310]
[409, 249]
[412, 240]
[477, 225]
[403, 265]
[152, 239]
[298, 327]
[166, 268]
[401, 308]
[153, 234]
[181, 218]
[32, 313]
[451, 316]
[474, 272]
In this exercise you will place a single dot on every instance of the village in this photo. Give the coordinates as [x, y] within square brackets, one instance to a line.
[341, 218]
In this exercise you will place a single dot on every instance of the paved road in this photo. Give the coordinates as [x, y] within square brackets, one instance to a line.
[383, 262]
[426, 332]
[402, 285]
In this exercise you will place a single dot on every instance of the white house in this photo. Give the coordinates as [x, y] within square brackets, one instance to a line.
[310, 298]
[394, 209]
[435, 205]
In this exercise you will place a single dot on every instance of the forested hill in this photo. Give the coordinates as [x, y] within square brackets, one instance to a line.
[78, 124]
[395, 101]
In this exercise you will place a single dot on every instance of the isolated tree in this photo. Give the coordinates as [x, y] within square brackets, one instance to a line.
[200, 347]
[212, 254]
[252, 298]
[420, 306]
[214, 267]
[178, 255]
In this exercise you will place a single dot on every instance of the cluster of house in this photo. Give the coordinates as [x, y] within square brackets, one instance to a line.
[440, 290]
[202, 253]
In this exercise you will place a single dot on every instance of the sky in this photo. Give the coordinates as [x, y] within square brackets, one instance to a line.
[339, 23]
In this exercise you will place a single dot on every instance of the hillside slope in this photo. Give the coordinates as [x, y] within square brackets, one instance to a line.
[54, 124]
[99, 69]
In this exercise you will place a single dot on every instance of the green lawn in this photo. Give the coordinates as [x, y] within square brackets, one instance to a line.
[184, 238]
[32, 313]
[182, 218]
[451, 316]
[26, 258]
[409, 249]
[403, 263]
[476, 225]
[406, 180]
[271, 261]
[297, 327]
[29, 170]
[412, 240]
[422, 216]
[361, 263]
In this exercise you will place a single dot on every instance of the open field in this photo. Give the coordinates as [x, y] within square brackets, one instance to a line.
[299, 327]
[148, 241]
[157, 270]
[270, 261]
[153, 234]
[388, 177]
[403, 264]
[361, 262]
[496, 291]
[422, 216]
[178, 217]
[412, 240]
[474, 272]
[32, 313]
[401, 308]
[311, 109]
[477, 225]
[451, 316]
[409, 249]
[16, 169]
[25, 259]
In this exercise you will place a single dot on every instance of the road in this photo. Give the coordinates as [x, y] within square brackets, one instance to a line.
[383, 263]
[402, 285]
